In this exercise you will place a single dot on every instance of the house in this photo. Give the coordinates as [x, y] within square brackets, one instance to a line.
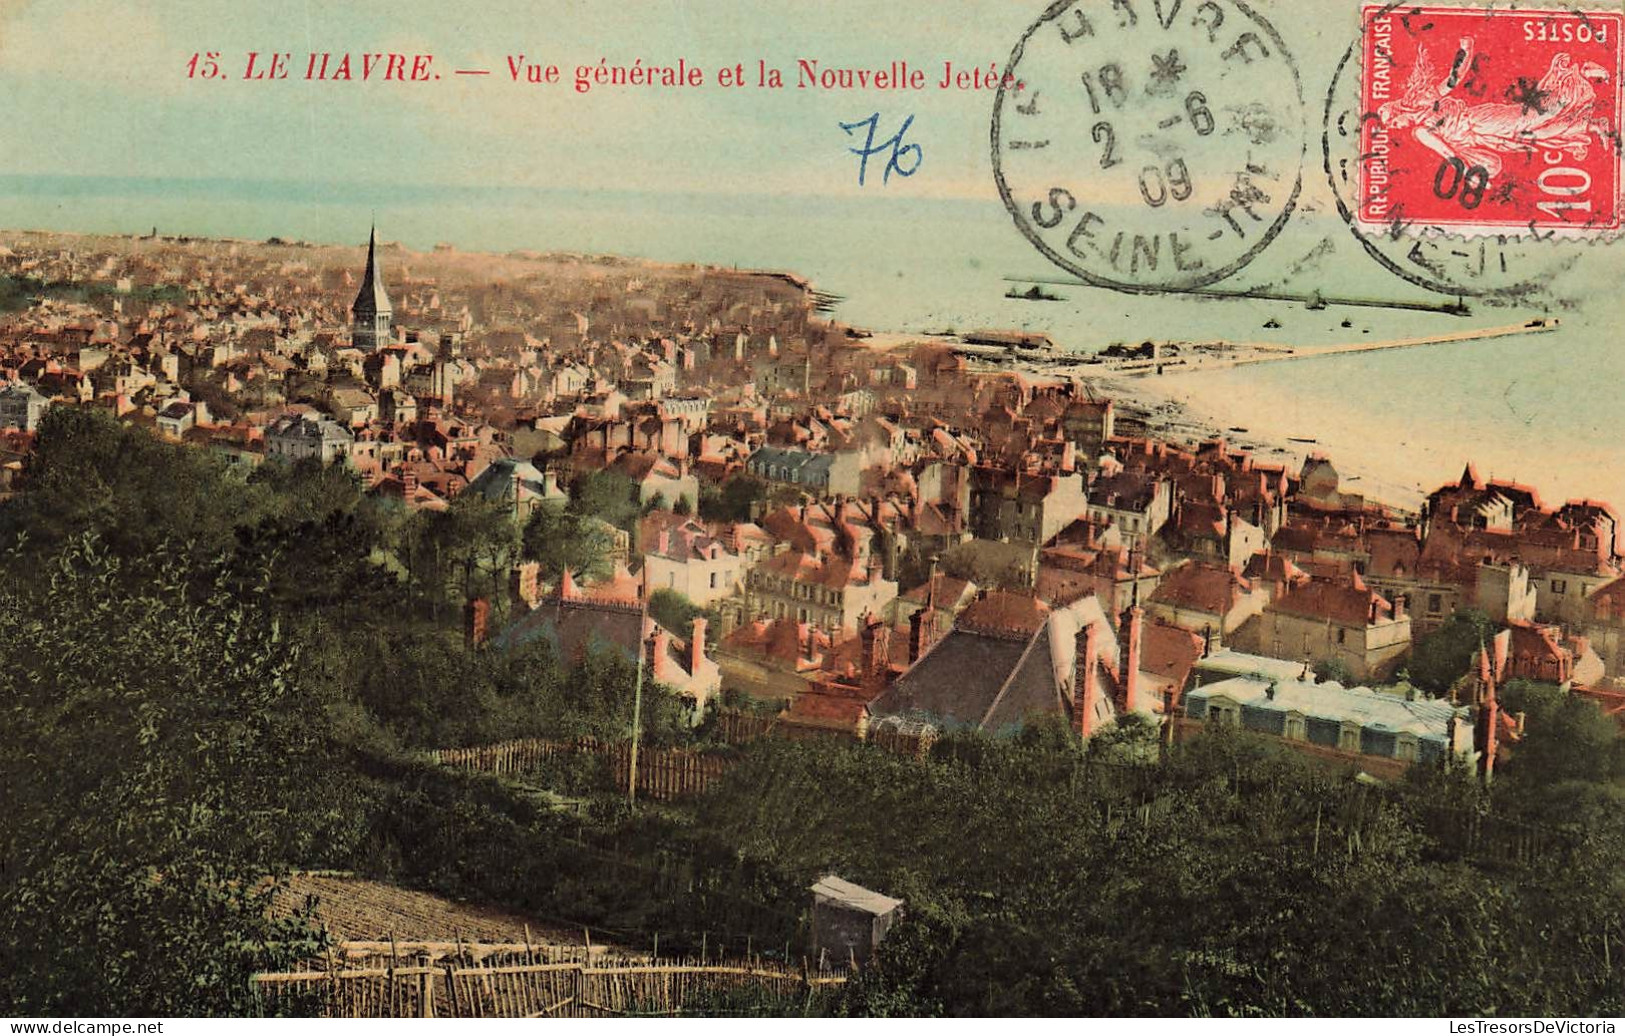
[1537, 651]
[21, 407]
[1323, 620]
[688, 559]
[780, 658]
[1472, 503]
[1381, 733]
[611, 616]
[1490, 671]
[1010, 658]
[819, 474]
[353, 406]
[294, 436]
[1089, 423]
[1016, 507]
[1605, 624]
[836, 700]
[1139, 505]
[518, 485]
[1115, 574]
[946, 593]
[180, 416]
[826, 588]
[1213, 599]
[659, 479]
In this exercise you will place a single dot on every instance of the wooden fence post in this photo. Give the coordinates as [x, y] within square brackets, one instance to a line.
[451, 990]
[425, 988]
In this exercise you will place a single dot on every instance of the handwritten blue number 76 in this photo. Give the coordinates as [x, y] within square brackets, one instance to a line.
[900, 160]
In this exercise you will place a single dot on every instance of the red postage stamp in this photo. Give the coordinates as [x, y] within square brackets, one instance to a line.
[1491, 120]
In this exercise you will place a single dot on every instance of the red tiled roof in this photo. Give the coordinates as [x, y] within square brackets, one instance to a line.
[1005, 611]
[1201, 587]
[1345, 604]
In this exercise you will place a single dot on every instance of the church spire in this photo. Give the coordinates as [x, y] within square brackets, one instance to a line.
[372, 316]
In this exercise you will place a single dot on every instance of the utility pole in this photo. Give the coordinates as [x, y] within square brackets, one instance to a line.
[637, 707]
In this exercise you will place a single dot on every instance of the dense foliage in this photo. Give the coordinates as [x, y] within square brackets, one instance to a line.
[1442, 657]
[207, 680]
[162, 760]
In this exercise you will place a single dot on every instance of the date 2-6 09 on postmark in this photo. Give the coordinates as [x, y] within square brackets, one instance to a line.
[1150, 145]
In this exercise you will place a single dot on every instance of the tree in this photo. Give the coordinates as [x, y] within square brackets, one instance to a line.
[559, 538]
[1566, 738]
[88, 473]
[608, 495]
[673, 610]
[1335, 670]
[465, 551]
[738, 499]
[989, 564]
[164, 758]
[1443, 656]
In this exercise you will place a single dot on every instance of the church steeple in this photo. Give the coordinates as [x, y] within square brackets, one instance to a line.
[372, 317]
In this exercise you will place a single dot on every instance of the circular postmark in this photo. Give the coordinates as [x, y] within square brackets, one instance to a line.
[1470, 148]
[1150, 145]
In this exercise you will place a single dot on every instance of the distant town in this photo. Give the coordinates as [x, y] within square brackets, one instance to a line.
[871, 536]
[440, 634]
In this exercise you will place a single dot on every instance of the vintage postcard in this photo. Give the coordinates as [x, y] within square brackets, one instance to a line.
[583, 509]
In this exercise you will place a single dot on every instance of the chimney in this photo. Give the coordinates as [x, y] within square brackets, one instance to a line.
[874, 647]
[567, 586]
[919, 633]
[1399, 607]
[1088, 692]
[663, 541]
[659, 654]
[409, 484]
[696, 646]
[1487, 735]
[1131, 659]
[476, 616]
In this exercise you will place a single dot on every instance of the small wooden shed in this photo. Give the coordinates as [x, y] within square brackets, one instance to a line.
[849, 921]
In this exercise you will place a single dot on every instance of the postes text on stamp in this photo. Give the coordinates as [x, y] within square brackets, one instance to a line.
[1150, 145]
[1477, 120]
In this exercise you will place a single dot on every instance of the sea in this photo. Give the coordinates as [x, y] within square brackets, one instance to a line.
[1540, 409]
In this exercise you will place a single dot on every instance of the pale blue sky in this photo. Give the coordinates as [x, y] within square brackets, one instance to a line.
[99, 88]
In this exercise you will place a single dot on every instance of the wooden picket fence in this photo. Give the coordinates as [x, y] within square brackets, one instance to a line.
[741, 728]
[510, 757]
[663, 773]
[632, 988]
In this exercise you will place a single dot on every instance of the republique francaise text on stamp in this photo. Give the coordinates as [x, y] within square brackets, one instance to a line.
[1489, 120]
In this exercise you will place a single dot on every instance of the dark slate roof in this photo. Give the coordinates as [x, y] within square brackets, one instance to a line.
[797, 465]
[372, 297]
[496, 482]
[977, 679]
[576, 628]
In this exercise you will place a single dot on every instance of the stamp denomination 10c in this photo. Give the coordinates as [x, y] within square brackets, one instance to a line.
[1478, 120]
